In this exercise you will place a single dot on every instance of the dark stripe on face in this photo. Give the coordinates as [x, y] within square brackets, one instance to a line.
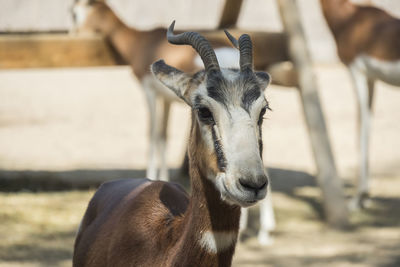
[260, 142]
[250, 96]
[197, 101]
[221, 161]
[251, 90]
[216, 94]
[217, 87]
[222, 90]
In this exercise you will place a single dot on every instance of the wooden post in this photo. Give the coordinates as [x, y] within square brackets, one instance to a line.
[230, 14]
[334, 201]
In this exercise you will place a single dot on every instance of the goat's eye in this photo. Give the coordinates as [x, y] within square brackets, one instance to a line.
[205, 115]
[262, 113]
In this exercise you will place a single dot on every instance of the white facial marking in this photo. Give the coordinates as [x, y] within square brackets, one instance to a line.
[237, 131]
[387, 71]
[242, 137]
[215, 242]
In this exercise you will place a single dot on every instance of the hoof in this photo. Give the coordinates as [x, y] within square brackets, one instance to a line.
[362, 201]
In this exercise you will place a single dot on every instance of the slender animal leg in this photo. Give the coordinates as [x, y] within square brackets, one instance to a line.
[371, 91]
[151, 98]
[243, 219]
[162, 140]
[267, 220]
[362, 90]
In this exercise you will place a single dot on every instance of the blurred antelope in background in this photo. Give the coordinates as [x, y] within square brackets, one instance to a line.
[368, 42]
[139, 222]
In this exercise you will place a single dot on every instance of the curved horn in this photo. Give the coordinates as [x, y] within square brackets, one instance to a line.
[233, 40]
[199, 43]
[245, 47]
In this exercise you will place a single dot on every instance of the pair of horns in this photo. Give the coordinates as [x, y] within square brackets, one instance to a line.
[206, 52]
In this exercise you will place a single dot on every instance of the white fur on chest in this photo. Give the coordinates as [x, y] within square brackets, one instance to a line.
[387, 71]
[214, 242]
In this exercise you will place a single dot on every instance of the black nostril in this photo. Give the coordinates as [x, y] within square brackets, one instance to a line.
[265, 181]
[245, 184]
[251, 185]
[263, 185]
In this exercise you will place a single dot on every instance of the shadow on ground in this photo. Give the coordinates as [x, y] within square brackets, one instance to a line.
[41, 248]
[374, 231]
[283, 180]
[288, 182]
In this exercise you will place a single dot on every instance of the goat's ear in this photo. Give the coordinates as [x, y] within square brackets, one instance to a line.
[174, 79]
[263, 78]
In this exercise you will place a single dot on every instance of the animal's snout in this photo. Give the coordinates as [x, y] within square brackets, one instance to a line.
[255, 185]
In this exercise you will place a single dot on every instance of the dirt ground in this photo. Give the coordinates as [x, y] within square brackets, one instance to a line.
[38, 229]
[88, 125]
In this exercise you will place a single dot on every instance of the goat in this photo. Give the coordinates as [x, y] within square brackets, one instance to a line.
[139, 222]
[141, 48]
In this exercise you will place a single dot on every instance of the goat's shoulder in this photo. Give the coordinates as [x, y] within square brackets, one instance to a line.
[160, 199]
[148, 219]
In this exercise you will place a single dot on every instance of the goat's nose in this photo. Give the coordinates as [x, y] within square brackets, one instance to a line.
[260, 183]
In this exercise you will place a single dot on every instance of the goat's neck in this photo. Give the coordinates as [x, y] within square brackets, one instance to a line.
[207, 218]
[337, 13]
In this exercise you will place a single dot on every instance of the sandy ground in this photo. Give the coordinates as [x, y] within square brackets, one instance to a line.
[94, 121]
[38, 229]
